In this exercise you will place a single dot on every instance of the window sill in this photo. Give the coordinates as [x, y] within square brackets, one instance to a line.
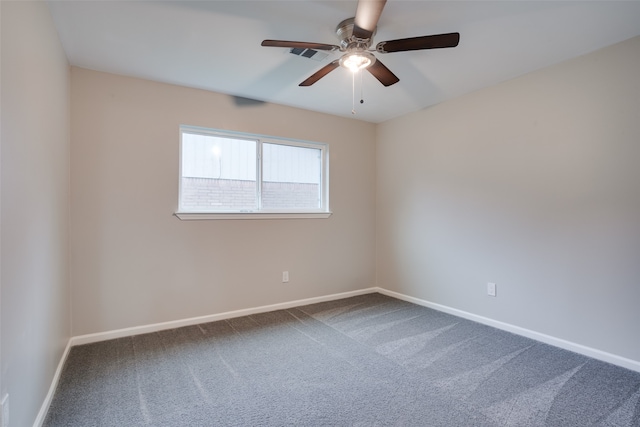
[190, 216]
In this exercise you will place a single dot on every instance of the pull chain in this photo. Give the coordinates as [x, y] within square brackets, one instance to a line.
[353, 93]
[361, 86]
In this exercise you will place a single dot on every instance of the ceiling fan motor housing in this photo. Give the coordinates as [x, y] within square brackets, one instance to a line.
[349, 42]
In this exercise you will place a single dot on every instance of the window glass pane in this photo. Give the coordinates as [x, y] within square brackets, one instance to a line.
[291, 177]
[218, 173]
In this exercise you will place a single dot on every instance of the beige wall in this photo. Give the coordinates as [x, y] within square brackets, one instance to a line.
[133, 263]
[533, 184]
[35, 309]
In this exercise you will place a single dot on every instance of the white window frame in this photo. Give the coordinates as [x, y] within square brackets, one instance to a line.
[259, 212]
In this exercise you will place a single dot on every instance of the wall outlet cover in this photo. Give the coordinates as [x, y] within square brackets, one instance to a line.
[491, 289]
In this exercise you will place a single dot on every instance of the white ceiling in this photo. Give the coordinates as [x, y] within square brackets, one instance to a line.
[215, 45]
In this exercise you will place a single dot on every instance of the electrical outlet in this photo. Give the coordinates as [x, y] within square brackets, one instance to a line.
[285, 276]
[491, 289]
[4, 411]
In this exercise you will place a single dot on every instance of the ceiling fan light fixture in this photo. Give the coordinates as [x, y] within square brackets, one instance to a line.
[356, 61]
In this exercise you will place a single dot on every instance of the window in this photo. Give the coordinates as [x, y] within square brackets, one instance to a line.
[236, 175]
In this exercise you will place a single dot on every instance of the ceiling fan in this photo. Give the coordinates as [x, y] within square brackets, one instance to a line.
[356, 36]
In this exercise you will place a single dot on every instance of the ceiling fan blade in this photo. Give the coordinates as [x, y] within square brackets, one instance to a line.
[321, 73]
[302, 45]
[418, 43]
[382, 73]
[367, 15]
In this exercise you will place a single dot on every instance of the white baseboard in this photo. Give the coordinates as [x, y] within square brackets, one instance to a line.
[52, 389]
[137, 330]
[633, 365]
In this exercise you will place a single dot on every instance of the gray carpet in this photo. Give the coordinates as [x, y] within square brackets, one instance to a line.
[369, 360]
